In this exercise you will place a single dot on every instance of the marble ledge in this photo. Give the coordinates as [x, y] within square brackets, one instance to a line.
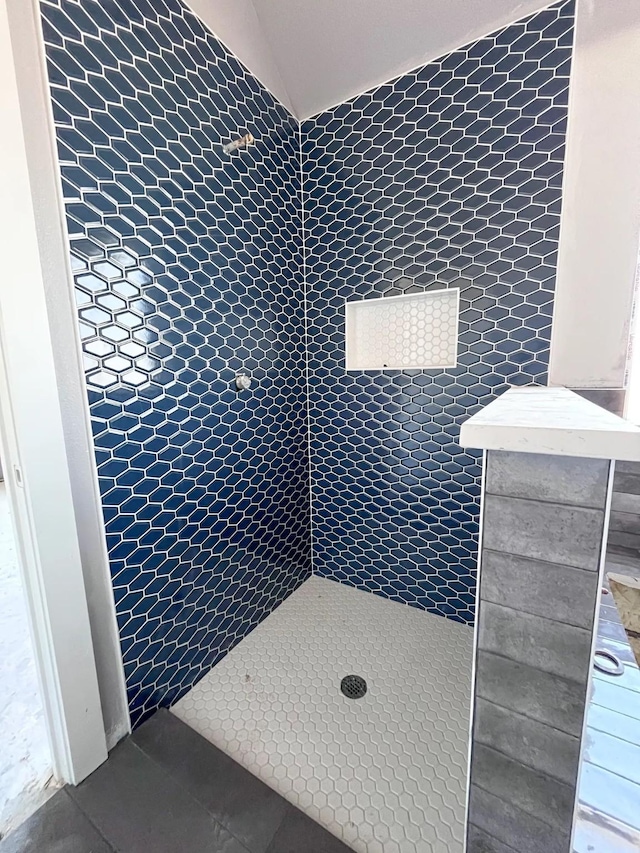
[555, 421]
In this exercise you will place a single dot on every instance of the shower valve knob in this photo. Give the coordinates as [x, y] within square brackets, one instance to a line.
[243, 382]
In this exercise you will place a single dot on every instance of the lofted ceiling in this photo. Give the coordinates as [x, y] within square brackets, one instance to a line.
[313, 54]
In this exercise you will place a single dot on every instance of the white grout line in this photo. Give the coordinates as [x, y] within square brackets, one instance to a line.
[306, 339]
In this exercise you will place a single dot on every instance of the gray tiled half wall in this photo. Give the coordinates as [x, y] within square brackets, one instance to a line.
[624, 526]
[542, 542]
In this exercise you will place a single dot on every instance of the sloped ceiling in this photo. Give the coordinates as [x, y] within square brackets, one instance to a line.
[235, 22]
[313, 54]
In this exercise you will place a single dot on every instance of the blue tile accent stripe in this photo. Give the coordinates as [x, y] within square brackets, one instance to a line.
[450, 176]
[187, 265]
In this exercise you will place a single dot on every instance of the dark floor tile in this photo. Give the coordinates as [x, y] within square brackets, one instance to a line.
[512, 827]
[57, 827]
[482, 842]
[139, 808]
[547, 698]
[528, 790]
[299, 834]
[238, 800]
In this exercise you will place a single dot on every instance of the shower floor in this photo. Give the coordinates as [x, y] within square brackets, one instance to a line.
[385, 773]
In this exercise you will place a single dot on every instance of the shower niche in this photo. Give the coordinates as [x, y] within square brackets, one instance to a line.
[416, 331]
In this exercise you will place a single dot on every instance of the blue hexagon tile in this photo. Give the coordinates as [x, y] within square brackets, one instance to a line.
[188, 269]
[446, 177]
[187, 266]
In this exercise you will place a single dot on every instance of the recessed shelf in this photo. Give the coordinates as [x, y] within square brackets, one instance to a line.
[417, 331]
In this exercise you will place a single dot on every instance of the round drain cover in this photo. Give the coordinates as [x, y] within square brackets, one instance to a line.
[353, 686]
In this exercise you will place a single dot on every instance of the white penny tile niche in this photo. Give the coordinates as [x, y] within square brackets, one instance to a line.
[416, 331]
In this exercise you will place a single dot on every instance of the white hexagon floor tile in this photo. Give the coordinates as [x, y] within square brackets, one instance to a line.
[385, 773]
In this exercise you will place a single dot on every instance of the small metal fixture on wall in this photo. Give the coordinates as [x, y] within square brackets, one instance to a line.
[243, 382]
[244, 142]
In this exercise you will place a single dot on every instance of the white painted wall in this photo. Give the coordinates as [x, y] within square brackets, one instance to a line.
[33, 441]
[46, 197]
[600, 231]
[236, 24]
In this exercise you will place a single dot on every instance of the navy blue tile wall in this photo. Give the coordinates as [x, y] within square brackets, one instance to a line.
[450, 176]
[187, 266]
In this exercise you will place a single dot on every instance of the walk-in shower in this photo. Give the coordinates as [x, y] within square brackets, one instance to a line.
[277, 518]
[386, 772]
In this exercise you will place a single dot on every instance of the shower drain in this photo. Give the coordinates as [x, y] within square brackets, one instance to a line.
[353, 686]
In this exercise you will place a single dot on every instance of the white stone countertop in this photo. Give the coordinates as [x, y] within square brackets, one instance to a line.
[554, 421]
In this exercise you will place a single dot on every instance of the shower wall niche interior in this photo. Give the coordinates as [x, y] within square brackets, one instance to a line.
[187, 266]
[192, 264]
